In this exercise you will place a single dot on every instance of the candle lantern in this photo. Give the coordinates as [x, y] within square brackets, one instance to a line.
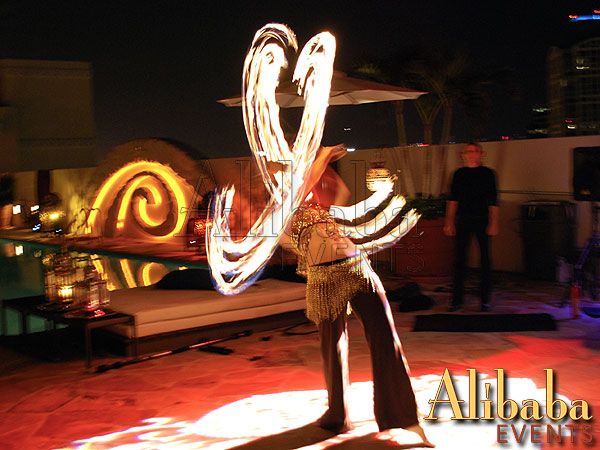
[377, 174]
[79, 288]
[196, 230]
[59, 280]
[95, 293]
[50, 285]
[65, 277]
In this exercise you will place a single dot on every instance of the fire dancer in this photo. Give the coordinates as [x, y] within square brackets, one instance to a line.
[340, 277]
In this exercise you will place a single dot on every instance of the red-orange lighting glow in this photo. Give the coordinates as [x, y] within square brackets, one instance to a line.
[261, 416]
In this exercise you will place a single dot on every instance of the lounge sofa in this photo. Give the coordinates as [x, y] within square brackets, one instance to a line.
[183, 308]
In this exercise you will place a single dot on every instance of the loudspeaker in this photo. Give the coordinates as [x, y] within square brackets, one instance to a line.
[586, 173]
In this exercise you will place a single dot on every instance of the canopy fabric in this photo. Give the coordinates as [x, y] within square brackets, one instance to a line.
[345, 90]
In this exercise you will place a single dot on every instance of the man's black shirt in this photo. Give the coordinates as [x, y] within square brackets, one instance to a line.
[474, 188]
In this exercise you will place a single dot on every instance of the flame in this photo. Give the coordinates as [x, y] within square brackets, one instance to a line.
[236, 264]
[366, 230]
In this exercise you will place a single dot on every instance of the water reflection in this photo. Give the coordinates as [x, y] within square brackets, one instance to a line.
[123, 273]
[21, 269]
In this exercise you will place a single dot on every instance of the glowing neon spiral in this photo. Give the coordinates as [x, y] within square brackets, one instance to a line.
[145, 193]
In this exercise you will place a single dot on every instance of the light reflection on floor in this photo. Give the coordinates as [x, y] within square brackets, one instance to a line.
[260, 416]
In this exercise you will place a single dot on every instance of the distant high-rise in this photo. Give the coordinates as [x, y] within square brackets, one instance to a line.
[574, 89]
[538, 127]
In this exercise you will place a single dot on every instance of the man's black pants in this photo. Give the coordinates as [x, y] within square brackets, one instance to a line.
[464, 232]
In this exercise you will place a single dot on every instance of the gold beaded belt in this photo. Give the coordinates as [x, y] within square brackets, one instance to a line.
[330, 287]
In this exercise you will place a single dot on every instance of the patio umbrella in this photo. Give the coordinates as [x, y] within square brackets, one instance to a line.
[345, 90]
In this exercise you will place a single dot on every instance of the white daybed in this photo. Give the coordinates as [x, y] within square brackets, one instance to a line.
[179, 317]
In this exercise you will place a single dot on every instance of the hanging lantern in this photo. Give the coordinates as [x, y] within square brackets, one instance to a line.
[196, 230]
[377, 176]
[65, 277]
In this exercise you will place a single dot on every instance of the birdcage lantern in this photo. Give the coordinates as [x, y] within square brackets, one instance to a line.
[376, 176]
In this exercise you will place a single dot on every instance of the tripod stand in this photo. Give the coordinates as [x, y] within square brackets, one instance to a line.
[590, 250]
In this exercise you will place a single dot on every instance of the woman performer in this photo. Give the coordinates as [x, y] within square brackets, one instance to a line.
[339, 276]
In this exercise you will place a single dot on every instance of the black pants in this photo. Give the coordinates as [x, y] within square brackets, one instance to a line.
[464, 233]
[394, 399]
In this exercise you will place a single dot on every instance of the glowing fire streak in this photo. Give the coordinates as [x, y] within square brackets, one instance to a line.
[355, 212]
[366, 231]
[372, 226]
[146, 274]
[146, 175]
[235, 265]
[259, 416]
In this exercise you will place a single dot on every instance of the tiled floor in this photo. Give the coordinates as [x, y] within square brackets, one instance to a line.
[267, 392]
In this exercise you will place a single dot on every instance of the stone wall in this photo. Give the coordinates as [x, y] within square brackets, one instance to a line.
[526, 170]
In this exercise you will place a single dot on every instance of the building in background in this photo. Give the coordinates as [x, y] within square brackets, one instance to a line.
[46, 118]
[538, 126]
[574, 89]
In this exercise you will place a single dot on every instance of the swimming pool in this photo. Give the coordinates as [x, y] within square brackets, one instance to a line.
[22, 272]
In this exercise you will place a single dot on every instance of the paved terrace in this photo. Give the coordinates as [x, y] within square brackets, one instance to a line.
[267, 393]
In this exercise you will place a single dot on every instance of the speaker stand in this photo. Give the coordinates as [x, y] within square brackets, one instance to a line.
[590, 251]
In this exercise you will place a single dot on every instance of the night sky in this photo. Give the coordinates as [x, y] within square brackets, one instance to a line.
[160, 67]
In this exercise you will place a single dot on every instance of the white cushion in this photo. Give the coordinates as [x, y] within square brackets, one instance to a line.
[161, 311]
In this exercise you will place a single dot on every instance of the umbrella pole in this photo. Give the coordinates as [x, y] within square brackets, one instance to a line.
[199, 345]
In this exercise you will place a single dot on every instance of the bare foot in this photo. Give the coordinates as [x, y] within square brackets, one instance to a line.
[417, 429]
[336, 426]
[411, 436]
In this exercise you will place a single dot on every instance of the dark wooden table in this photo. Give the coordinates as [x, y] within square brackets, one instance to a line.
[30, 306]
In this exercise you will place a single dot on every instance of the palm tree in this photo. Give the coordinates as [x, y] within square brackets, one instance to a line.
[374, 72]
[452, 81]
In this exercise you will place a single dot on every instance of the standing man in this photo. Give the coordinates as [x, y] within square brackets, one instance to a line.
[472, 209]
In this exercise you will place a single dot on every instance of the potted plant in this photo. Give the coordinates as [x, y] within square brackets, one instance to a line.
[7, 184]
